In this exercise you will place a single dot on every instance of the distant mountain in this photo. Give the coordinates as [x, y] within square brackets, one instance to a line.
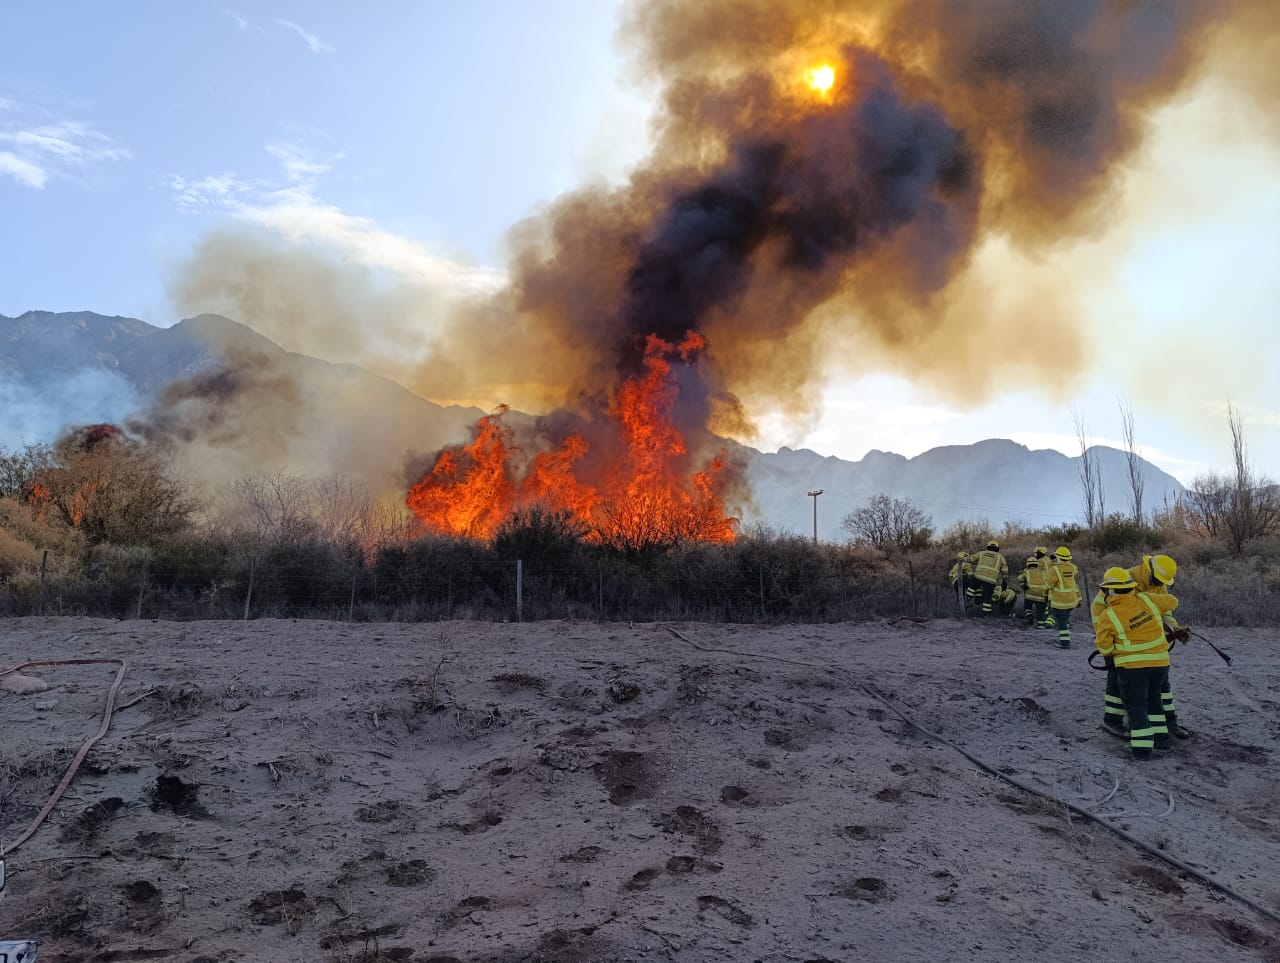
[240, 403]
[997, 480]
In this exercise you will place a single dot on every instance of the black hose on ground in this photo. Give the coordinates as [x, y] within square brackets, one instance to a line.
[1191, 871]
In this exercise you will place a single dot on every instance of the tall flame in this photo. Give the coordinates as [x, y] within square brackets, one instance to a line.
[645, 497]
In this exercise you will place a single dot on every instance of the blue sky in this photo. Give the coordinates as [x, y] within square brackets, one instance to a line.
[419, 133]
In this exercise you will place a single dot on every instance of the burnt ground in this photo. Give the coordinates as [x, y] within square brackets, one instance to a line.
[569, 791]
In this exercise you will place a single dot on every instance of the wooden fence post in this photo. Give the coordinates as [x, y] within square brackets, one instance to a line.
[44, 564]
[253, 564]
[519, 590]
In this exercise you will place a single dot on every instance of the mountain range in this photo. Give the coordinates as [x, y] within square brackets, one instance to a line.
[237, 403]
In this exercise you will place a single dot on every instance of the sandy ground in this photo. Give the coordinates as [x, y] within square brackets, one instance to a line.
[572, 791]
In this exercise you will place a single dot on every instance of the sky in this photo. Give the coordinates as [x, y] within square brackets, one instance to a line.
[413, 136]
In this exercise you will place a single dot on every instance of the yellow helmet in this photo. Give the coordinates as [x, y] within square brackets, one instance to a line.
[963, 556]
[1041, 551]
[1062, 553]
[993, 545]
[1032, 561]
[1118, 578]
[1161, 567]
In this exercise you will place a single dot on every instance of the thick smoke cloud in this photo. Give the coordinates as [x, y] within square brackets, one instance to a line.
[784, 224]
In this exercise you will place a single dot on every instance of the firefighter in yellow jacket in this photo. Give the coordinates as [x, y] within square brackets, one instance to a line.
[1064, 596]
[1034, 580]
[1153, 576]
[1131, 637]
[990, 570]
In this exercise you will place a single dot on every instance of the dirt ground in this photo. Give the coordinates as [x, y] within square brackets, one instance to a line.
[569, 791]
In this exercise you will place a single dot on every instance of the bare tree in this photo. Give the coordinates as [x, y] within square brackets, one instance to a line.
[20, 468]
[889, 523]
[1254, 503]
[1206, 504]
[1136, 479]
[343, 510]
[275, 507]
[1095, 508]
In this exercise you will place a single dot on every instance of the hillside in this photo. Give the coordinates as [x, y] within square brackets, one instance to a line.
[577, 792]
[268, 409]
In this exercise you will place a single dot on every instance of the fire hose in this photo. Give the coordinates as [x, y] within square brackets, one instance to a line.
[1153, 851]
[25, 951]
[1102, 667]
[84, 749]
[1225, 658]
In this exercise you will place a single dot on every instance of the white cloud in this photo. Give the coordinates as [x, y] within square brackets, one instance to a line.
[21, 170]
[39, 150]
[213, 192]
[300, 217]
[298, 214]
[240, 20]
[317, 45]
[300, 166]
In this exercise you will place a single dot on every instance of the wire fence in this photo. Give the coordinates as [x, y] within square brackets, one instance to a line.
[501, 590]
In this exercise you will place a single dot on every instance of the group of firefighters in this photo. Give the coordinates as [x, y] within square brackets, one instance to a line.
[1133, 624]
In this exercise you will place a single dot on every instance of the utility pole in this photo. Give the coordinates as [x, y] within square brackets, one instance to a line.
[814, 495]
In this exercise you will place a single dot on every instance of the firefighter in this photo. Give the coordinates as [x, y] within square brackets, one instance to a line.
[1034, 581]
[962, 571]
[1154, 575]
[1114, 720]
[1131, 635]
[1004, 601]
[990, 570]
[1064, 596]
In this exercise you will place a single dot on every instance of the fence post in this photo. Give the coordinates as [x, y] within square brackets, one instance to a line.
[142, 587]
[44, 564]
[915, 600]
[519, 590]
[351, 608]
[600, 587]
[760, 572]
[253, 564]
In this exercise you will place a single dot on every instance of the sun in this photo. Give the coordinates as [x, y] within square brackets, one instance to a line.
[821, 78]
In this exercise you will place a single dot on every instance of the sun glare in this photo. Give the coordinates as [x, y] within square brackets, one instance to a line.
[821, 78]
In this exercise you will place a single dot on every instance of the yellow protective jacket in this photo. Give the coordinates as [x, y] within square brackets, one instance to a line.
[956, 570]
[1131, 629]
[1141, 574]
[989, 566]
[1063, 593]
[1034, 581]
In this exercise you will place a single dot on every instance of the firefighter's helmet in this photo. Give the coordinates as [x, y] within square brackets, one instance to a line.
[1162, 568]
[1117, 578]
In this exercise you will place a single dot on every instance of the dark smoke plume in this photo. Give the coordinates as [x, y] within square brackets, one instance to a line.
[781, 222]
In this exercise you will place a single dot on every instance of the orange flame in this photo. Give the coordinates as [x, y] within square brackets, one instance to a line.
[641, 499]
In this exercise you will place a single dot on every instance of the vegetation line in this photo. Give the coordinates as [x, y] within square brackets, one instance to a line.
[870, 690]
